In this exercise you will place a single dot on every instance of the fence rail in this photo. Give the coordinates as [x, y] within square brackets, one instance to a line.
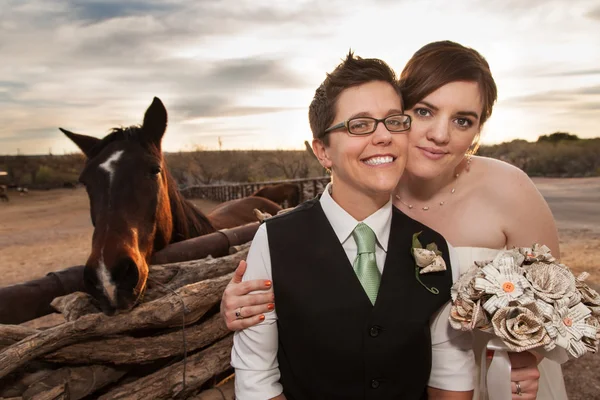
[309, 188]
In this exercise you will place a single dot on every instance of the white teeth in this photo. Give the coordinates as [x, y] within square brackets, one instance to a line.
[379, 160]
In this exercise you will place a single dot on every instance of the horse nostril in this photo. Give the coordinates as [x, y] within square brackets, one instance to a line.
[125, 273]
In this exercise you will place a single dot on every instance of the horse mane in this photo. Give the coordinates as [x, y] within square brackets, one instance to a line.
[188, 221]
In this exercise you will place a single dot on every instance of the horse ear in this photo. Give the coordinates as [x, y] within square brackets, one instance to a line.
[85, 143]
[155, 122]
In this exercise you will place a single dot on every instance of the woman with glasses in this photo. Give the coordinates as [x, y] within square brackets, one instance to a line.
[480, 205]
[348, 341]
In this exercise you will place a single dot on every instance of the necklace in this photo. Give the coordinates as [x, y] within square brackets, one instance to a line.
[441, 203]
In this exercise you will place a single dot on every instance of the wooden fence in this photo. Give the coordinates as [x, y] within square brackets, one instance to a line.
[309, 188]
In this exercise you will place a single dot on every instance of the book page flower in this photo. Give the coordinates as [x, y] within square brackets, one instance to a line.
[503, 279]
[570, 325]
[464, 287]
[537, 253]
[553, 284]
[428, 261]
[589, 296]
[592, 343]
[466, 315]
[520, 327]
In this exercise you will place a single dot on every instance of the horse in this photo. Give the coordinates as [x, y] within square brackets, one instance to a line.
[135, 208]
[280, 193]
[228, 214]
[3, 193]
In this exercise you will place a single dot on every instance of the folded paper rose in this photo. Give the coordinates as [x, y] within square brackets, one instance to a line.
[428, 259]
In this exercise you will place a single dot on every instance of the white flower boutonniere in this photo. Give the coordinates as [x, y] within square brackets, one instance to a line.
[428, 259]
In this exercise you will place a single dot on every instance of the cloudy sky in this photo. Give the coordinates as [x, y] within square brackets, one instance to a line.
[245, 70]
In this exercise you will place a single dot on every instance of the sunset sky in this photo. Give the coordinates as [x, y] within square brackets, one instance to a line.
[246, 70]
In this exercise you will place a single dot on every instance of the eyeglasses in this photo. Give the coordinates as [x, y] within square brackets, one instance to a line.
[366, 125]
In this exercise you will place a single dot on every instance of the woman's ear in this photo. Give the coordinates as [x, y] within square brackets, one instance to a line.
[321, 153]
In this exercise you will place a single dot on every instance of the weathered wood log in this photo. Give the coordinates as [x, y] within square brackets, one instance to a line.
[10, 334]
[26, 301]
[56, 393]
[13, 386]
[132, 350]
[164, 312]
[216, 244]
[163, 279]
[74, 305]
[185, 273]
[167, 383]
[78, 382]
[222, 392]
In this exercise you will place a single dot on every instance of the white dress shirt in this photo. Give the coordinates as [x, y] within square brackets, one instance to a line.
[254, 352]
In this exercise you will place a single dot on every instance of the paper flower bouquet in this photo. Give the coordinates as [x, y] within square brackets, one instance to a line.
[530, 301]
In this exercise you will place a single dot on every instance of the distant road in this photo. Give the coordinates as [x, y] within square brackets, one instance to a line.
[575, 202]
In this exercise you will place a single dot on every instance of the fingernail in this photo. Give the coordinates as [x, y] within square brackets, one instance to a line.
[489, 354]
[268, 283]
[262, 317]
[273, 297]
[271, 306]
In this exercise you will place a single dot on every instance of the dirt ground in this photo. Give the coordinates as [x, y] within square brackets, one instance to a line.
[44, 231]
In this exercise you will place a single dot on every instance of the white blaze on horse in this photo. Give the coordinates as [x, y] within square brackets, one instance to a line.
[137, 210]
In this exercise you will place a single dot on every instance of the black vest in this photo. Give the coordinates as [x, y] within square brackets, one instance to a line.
[335, 345]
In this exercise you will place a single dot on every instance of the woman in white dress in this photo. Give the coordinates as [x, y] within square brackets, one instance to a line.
[480, 205]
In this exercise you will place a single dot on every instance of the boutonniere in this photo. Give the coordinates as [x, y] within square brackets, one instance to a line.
[428, 259]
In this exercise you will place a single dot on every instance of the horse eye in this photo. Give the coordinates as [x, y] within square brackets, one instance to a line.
[155, 170]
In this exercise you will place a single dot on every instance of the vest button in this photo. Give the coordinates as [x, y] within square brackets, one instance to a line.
[374, 383]
[374, 331]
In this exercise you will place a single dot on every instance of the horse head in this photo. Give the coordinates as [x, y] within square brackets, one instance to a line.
[134, 205]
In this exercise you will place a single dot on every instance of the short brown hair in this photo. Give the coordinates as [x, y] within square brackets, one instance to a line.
[439, 63]
[352, 71]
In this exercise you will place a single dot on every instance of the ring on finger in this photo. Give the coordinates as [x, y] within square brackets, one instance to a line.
[519, 392]
[238, 313]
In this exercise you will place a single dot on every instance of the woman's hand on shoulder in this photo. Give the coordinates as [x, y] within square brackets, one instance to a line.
[239, 308]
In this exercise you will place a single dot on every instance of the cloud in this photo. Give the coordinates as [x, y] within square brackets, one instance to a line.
[581, 99]
[95, 64]
[31, 134]
[217, 106]
[583, 72]
[96, 11]
[594, 14]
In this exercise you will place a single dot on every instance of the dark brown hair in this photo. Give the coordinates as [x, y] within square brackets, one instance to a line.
[439, 63]
[352, 71]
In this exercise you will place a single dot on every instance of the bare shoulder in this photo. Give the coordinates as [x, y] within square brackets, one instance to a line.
[525, 216]
[504, 181]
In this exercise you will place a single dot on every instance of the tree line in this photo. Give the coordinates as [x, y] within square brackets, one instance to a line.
[560, 154]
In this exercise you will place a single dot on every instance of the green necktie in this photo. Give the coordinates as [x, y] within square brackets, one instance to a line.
[365, 264]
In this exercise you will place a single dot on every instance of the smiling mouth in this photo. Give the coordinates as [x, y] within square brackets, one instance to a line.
[380, 160]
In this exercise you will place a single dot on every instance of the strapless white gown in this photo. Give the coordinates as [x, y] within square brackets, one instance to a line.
[551, 384]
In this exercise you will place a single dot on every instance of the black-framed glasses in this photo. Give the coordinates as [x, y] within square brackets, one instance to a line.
[366, 125]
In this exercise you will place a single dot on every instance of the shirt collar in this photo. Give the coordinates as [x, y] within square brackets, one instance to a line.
[343, 223]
